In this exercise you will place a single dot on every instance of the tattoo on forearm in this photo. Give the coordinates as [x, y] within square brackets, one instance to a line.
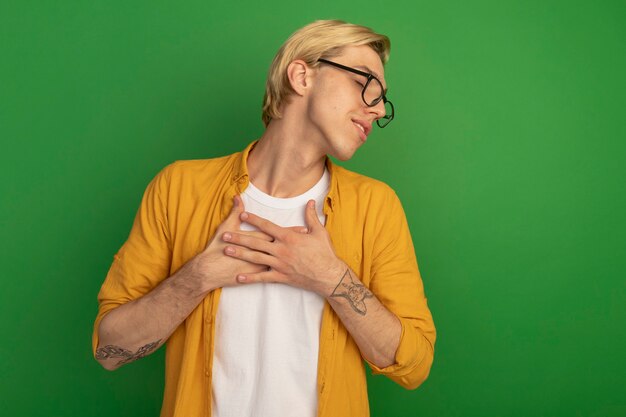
[354, 292]
[112, 351]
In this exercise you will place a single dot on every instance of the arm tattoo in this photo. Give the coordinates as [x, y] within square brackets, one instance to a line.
[111, 351]
[354, 292]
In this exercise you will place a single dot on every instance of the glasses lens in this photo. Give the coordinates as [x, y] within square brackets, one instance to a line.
[373, 92]
[388, 117]
[389, 110]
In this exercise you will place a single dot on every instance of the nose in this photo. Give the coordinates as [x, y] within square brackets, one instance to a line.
[378, 110]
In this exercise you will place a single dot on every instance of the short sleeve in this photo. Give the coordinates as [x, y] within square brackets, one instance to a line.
[397, 283]
[144, 259]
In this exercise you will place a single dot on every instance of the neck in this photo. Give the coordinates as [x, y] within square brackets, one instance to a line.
[284, 163]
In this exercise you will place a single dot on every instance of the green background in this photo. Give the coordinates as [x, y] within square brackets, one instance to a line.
[508, 153]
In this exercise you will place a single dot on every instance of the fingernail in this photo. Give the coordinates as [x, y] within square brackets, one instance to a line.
[227, 236]
[244, 215]
[230, 250]
[241, 278]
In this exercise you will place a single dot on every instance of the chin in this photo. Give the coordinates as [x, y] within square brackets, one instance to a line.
[343, 147]
[343, 154]
[345, 157]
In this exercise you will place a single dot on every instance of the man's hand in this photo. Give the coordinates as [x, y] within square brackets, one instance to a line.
[297, 256]
[217, 270]
[137, 328]
[305, 258]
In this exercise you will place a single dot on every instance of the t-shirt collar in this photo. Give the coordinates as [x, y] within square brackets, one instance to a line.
[241, 178]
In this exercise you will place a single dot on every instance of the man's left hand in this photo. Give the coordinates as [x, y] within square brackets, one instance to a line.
[300, 257]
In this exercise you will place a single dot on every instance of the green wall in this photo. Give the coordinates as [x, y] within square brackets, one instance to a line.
[508, 153]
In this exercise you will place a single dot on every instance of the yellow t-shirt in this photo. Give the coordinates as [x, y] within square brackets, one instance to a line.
[179, 213]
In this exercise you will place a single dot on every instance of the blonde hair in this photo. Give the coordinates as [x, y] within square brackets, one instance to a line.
[320, 39]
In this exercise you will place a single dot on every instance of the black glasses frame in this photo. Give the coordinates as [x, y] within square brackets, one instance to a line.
[387, 118]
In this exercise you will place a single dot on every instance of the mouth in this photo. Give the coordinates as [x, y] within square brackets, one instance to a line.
[363, 129]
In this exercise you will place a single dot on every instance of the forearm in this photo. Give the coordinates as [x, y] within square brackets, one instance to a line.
[373, 327]
[137, 328]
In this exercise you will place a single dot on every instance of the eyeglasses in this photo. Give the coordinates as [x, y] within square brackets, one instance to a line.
[372, 92]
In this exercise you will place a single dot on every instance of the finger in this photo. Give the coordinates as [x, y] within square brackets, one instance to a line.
[251, 242]
[310, 215]
[237, 203]
[264, 276]
[265, 236]
[231, 222]
[250, 255]
[257, 234]
[237, 208]
[299, 229]
[262, 224]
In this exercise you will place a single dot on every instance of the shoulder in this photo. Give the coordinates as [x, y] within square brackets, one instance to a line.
[195, 177]
[199, 170]
[200, 167]
[368, 207]
[361, 186]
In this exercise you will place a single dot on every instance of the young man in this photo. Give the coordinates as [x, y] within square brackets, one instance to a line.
[273, 273]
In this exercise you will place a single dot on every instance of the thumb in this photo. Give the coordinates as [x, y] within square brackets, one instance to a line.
[310, 216]
[237, 208]
[231, 222]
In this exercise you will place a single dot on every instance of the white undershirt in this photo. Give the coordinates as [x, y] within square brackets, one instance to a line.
[267, 334]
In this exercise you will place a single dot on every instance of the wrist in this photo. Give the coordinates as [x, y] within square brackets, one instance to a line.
[336, 271]
[192, 276]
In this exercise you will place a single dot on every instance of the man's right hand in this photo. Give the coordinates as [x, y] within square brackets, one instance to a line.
[137, 328]
[212, 266]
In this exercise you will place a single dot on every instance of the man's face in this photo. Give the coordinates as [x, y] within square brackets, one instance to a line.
[336, 108]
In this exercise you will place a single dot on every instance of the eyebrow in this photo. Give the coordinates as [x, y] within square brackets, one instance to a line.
[365, 67]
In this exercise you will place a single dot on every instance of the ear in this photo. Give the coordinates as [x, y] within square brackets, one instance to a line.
[300, 76]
